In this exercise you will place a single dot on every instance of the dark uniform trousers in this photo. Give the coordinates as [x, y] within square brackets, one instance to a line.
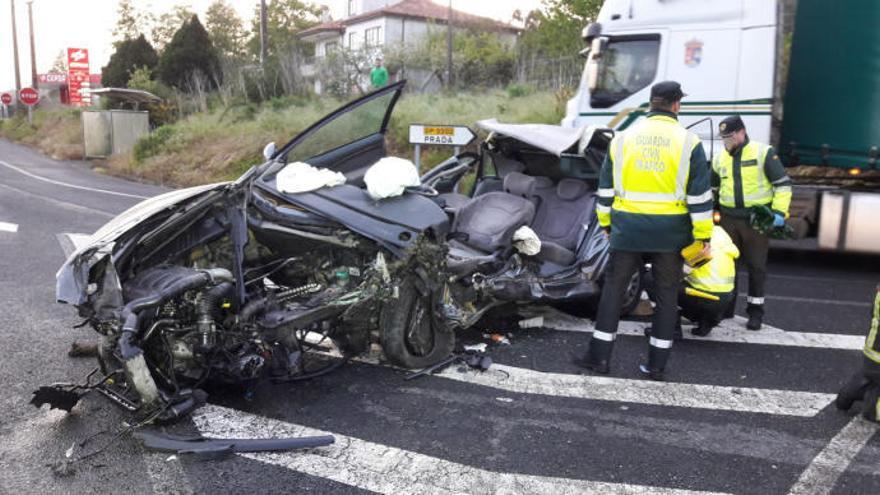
[667, 274]
[703, 311]
[753, 247]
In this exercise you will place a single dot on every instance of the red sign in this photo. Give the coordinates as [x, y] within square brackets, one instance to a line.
[29, 96]
[78, 78]
[6, 98]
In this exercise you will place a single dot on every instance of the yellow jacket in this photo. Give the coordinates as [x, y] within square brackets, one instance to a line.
[719, 274]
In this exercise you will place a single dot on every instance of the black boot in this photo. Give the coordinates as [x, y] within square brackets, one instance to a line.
[597, 359]
[657, 358]
[703, 328]
[756, 316]
[755, 322]
[852, 392]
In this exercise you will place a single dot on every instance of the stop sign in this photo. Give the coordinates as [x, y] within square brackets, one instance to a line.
[29, 96]
[6, 98]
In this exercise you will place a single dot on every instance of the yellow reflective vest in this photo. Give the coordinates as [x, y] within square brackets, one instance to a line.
[747, 182]
[872, 343]
[651, 195]
[719, 274]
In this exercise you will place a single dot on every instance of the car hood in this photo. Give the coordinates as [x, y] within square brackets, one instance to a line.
[72, 277]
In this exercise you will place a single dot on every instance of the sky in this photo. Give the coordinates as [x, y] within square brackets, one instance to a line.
[59, 24]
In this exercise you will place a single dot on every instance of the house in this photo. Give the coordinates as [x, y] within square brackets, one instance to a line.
[374, 24]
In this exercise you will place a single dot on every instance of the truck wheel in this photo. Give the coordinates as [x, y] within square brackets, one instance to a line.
[411, 334]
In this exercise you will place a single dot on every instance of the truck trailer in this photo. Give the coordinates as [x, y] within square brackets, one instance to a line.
[803, 74]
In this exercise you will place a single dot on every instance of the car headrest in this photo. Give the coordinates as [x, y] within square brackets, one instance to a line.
[520, 184]
[571, 189]
[543, 182]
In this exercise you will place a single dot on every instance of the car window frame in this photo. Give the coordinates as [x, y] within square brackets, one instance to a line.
[654, 37]
[396, 88]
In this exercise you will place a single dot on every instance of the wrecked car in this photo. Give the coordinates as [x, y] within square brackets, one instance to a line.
[232, 282]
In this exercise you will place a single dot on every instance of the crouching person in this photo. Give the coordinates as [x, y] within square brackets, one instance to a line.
[864, 387]
[708, 288]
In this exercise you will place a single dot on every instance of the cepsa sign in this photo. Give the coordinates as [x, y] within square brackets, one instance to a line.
[78, 77]
[442, 135]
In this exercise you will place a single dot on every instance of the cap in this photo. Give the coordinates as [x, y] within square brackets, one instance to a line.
[669, 91]
[730, 125]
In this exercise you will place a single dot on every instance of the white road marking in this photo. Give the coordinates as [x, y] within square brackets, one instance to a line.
[72, 186]
[689, 395]
[813, 300]
[63, 204]
[384, 469]
[166, 474]
[727, 331]
[8, 227]
[827, 467]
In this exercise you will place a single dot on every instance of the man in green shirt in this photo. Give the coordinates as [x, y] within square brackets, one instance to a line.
[379, 75]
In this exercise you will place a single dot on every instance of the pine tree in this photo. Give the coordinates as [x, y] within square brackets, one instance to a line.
[189, 53]
[130, 54]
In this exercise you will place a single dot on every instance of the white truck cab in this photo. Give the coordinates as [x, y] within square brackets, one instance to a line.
[723, 52]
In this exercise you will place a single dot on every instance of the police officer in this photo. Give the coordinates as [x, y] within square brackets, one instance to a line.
[714, 279]
[865, 386]
[654, 199]
[747, 174]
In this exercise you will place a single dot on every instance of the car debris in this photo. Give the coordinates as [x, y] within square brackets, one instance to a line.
[481, 347]
[212, 448]
[478, 361]
[253, 279]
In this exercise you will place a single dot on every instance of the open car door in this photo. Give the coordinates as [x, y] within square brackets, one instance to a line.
[350, 139]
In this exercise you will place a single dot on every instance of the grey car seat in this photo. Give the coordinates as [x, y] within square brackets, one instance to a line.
[562, 215]
[485, 224]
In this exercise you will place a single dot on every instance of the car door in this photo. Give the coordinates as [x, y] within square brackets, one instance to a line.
[348, 140]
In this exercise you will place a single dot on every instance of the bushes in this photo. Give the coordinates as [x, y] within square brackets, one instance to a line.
[153, 144]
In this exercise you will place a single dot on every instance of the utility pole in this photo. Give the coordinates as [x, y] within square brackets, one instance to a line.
[264, 34]
[449, 47]
[15, 52]
[35, 83]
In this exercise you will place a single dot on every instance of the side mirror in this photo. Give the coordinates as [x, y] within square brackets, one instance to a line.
[269, 151]
[596, 47]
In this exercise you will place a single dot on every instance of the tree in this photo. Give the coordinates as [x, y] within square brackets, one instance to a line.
[226, 29]
[59, 66]
[286, 18]
[555, 29]
[130, 54]
[189, 55]
[128, 22]
[168, 23]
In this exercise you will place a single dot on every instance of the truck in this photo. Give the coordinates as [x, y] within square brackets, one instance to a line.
[804, 75]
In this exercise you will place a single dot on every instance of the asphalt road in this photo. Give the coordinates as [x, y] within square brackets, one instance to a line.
[742, 412]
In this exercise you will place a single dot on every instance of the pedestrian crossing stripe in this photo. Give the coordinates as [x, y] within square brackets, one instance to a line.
[386, 469]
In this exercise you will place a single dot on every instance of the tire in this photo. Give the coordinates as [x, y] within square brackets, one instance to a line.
[411, 334]
[633, 293]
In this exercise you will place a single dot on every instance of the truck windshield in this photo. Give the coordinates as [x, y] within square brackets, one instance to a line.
[627, 65]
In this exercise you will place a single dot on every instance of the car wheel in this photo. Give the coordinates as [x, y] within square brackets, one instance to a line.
[632, 295]
[411, 334]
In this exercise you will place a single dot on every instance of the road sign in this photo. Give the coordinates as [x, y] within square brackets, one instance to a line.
[78, 79]
[29, 96]
[440, 135]
[6, 98]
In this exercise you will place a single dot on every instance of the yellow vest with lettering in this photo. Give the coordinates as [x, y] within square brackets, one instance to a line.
[651, 163]
[756, 188]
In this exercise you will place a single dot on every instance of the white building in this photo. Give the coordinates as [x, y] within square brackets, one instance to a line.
[373, 24]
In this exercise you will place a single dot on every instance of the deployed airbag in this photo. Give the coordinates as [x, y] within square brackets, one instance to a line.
[300, 177]
[390, 176]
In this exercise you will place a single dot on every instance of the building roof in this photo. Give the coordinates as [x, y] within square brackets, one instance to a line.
[414, 9]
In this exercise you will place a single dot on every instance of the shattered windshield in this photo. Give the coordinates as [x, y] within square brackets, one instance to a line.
[626, 66]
